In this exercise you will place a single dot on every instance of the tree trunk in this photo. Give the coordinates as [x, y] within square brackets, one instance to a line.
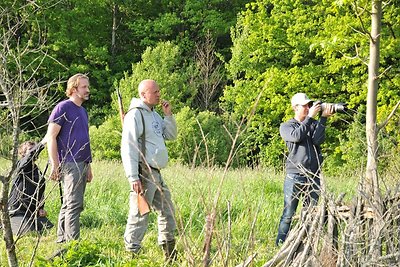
[372, 182]
[372, 185]
[114, 33]
[10, 96]
[5, 219]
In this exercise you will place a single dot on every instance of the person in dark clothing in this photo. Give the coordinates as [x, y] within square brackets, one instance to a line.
[26, 199]
[303, 136]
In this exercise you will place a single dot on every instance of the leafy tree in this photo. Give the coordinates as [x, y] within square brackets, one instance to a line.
[164, 64]
[103, 38]
[185, 21]
[78, 36]
[23, 97]
[284, 47]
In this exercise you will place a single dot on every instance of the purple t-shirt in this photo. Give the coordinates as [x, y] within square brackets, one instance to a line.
[73, 140]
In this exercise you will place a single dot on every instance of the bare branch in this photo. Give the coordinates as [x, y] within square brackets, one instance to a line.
[384, 4]
[364, 31]
[357, 56]
[210, 72]
[384, 72]
[383, 124]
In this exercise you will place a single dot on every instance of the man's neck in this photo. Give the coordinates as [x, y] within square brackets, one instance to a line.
[77, 101]
[299, 119]
[147, 104]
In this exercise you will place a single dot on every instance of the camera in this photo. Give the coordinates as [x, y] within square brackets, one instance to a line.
[337, 107]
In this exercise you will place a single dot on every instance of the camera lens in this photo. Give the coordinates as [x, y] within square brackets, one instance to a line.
[339, 107]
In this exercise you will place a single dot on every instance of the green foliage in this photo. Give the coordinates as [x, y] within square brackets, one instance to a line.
[352, 145]
[182, 21]
[82, 253]
[6, 140]
[106, 138]
[202, 139]
[284, 47]
[7, 144]
[164, 64]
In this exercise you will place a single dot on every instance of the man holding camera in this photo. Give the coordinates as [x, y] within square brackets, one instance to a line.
[303, 136]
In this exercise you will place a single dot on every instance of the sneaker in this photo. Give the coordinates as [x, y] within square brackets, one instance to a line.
[60, 241]
[58, 253]
[134, 251]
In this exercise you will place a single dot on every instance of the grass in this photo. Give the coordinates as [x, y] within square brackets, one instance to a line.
[247, 218]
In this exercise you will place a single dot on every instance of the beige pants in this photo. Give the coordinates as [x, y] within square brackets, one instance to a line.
[158, 196]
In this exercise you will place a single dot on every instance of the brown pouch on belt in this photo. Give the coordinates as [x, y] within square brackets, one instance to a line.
[143, 205]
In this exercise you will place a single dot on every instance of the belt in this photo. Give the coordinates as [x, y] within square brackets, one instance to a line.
[148, 165]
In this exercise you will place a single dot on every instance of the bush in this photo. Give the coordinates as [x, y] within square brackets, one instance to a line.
[191, 147]
[106, 139]
[82, 253]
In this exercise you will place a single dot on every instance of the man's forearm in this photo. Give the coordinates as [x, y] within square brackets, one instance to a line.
[53, 153]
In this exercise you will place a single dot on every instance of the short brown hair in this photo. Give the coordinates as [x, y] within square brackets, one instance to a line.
[73, 82]
[24, 147]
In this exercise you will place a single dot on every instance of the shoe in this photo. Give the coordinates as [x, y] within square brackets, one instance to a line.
[60, 241]
[135, 251]
[57, 253]
[170, 252]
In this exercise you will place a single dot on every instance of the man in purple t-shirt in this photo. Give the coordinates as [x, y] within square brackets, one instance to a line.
[70, 155]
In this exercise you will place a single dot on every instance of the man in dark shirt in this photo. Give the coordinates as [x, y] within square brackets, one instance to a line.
[303, 136]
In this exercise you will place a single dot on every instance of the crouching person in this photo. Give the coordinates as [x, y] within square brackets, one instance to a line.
[144, 153]
[26, 199]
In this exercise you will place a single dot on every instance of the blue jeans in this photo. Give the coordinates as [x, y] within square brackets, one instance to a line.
[296, 186]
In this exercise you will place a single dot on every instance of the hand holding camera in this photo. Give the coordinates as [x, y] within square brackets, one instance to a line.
[315, 108]
[328, 109]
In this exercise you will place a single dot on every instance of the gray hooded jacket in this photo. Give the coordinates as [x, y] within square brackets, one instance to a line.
[156, 131]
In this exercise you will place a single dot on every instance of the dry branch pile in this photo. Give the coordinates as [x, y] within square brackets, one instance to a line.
[331, 234]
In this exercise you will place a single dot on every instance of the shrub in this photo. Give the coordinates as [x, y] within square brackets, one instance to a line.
[82, 253]
[191, 147]
[105, 139]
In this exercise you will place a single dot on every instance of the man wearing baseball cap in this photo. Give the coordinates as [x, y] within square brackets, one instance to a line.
[303, 136]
